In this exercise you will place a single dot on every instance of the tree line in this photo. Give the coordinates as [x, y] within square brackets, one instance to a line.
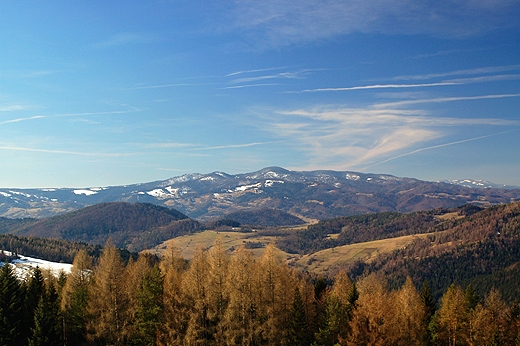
[220, 298]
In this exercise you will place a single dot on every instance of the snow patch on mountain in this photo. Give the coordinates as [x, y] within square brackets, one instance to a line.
[84, 192]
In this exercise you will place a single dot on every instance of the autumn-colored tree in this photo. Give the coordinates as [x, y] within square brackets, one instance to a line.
[409, 320]
[107, 300]
[277, 284]
[452, 317]
[489, 322]
[176, 316]
[218, 261]
[241, 321]
[371, 322]
[195, 290]
[74, 299]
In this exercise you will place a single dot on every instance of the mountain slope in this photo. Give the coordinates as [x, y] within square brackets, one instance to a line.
[312, 195]
[126, 224]
[482, 249]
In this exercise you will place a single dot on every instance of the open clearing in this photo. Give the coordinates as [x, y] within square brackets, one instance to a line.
[188, 244]
[329, 260]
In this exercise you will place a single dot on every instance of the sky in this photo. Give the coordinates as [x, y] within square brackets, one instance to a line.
[96, 93]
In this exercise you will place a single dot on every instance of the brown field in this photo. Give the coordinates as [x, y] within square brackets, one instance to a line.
[188, 244]
[321, 262]
[329, 260]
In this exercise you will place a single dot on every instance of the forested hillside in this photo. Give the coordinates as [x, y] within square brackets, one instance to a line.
[266, 217]
[231, 299]
[368, 227]
[133, 226]
[482, 249]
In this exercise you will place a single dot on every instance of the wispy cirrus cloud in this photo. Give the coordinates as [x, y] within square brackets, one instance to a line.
[287, 22]
[361, 137]
[444, 99]
[378, 86]
[467, 72]
[62, 152]
[38, 117]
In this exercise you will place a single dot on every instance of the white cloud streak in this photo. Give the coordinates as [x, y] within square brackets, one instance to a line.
[60, 152]
[437, 147]
[357, 136]
[381, 86]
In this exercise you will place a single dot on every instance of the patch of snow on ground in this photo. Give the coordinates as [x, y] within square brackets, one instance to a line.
[269, 183]
[159, 193]
[84, 192]
[352, 176]
[247, 187]
[25, 265]
[5, 194]
[207, 178]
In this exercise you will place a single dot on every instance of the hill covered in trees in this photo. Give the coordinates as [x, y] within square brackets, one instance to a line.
[133, 226]
[266, 217]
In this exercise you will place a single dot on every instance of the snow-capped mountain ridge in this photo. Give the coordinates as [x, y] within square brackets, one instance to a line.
[212, 195]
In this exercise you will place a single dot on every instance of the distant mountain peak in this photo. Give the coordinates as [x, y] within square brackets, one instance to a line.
[315, 194]
[479, 183]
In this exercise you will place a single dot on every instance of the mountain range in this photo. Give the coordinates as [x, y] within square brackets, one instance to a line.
[311, 195]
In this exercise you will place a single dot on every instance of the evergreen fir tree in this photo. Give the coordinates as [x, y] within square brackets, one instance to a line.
[299, 331]
[149, 312]
[34, 293]
[46, 330]
[11, 308]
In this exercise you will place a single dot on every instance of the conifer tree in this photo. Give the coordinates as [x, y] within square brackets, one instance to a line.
[46, 330]
[11, 308]
[195, 289]
[149, 309]
[410, 316]
[453, 317]
[372, 318]
[299, 333]
[107, 301]
[74, 299]
[430, 307]
[218, 262]
[241, 322]
[277, 289]
[175, 308]
[35, 291]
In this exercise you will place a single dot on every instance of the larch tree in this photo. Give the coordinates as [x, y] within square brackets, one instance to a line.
[107, 301]
[74, 299]
[195, 291]
[241, 321]
[372, 319]
[176, 317]
[452, 317]
[218, 261]
[277, 284]
[410, 326]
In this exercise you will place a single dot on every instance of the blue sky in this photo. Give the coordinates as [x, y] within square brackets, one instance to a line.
[96, 93]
